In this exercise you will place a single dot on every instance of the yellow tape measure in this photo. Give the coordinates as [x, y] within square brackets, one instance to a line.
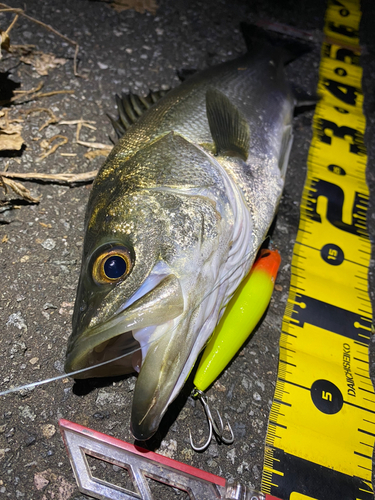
[321, 428]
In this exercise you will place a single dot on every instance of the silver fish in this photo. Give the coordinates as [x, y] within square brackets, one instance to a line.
[174, 221]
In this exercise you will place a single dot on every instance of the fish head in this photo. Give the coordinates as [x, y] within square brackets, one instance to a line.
[150, 285]
[119, 266]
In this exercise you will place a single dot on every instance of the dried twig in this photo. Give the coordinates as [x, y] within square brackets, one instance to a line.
[18, 94]
[21, 49]
[18, 188]
[63, 141]
[86, 177]
[7, 31]
[53, 118]
[3, 185]
[33, 97]
[21, 12]
[54, 92]
[90, 155]
[30, 91]
[95, 145]
[138, 5]
[4, 36]
[85, 123]
[35, 94]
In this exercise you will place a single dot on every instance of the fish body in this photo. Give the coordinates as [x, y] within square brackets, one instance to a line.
[174, 222]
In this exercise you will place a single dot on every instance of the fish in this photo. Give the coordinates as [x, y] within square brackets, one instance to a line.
[175, 219]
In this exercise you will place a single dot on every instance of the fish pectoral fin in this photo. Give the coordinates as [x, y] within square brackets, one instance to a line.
[229, 129]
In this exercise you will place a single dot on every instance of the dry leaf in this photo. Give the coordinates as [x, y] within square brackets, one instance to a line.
[10, 142]
[138, 5]
[42, 62]
[11, 125]
[10, 137]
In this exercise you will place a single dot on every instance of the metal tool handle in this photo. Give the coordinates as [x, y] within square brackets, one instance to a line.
[142, 465]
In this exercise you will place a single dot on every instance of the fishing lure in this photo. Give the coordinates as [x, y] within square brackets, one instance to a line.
[241, 316]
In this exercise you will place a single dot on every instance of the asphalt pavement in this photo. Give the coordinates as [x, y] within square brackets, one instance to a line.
[41, 244]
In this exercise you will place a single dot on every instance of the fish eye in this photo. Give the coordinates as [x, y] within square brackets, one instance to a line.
[112, 265]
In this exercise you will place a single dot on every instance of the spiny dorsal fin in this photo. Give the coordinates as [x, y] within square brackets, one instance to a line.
[229, 129]
[130, 107]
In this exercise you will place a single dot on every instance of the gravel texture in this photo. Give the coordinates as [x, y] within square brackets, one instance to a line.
[41, 244]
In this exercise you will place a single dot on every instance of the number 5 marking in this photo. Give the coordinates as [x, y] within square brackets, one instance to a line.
[327, 395]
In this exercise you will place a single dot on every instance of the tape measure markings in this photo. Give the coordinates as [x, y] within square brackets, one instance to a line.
[327, 320]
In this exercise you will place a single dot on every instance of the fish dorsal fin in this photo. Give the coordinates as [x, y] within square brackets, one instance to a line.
[229, 129]
[130, 107]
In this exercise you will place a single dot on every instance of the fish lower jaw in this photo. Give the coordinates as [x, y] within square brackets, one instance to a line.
[121, 355]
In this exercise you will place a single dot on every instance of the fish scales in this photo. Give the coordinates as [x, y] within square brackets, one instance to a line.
[174, 221]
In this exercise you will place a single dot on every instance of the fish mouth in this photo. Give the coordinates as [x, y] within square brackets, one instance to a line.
[127, 335]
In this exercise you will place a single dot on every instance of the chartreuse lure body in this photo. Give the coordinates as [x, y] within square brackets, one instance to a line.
[241, 316]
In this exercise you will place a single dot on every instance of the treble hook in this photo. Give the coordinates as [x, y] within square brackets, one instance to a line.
[213, 427]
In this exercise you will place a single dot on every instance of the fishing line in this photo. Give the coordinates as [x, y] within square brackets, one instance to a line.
[32, 385]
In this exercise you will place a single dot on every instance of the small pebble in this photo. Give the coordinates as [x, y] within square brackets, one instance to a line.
[40, 481]
[213, 450]
[10, 433]
[48, 305]
[59, 366]
[101, 415]
[48, 430]
[26, 412]
[16, 320]
[51, 131]
[49, 244]
[257, 396]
